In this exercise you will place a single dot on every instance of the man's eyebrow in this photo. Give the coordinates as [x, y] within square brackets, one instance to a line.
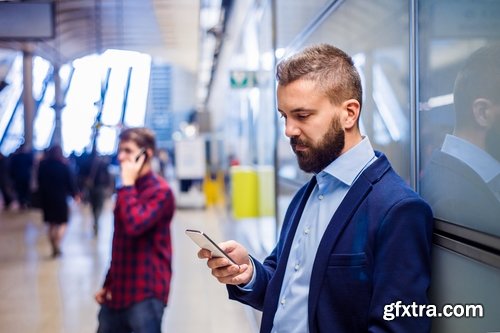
[297, 110]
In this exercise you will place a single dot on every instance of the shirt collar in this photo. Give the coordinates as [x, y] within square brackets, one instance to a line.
[143, 180]
[350, 164]
[480, 161]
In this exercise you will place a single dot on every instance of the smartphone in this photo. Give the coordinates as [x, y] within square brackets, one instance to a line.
[141, 152]
[205, 242]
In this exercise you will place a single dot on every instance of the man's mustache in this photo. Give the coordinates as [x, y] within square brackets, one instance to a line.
[296, 141]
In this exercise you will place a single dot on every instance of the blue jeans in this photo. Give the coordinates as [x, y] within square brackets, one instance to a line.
[142, 317]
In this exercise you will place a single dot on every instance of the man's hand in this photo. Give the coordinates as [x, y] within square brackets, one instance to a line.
[130, 169]
[102, 295]
[224, 270]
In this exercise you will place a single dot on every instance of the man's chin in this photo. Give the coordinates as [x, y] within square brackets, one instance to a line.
[304, 165]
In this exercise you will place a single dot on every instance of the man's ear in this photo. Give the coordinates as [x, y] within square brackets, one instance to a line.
[482, 109]
[351, 115]
[149, 154]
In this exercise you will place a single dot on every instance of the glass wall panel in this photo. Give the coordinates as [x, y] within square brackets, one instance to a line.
[459, 111]
[375, 34]
[78, 116]
[244, 96]
[44, 123]
[43, 93]
[293, 16]
[10, 96]
[249, 108]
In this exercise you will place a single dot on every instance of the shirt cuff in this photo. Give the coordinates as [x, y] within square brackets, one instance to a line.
[125, 188]
[249, 285]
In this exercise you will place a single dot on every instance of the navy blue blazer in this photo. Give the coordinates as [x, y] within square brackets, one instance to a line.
[374, 252]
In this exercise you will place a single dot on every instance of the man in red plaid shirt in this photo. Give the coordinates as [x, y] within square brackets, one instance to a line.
[135, 292]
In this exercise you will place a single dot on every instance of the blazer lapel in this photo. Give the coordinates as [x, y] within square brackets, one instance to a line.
[339, 221]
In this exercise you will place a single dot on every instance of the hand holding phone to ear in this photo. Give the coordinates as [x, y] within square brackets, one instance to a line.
[131, 168]
[142, 152]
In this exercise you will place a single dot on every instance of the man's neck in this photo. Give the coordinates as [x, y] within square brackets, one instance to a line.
[476, 137]
[145, 170]
[352, 138]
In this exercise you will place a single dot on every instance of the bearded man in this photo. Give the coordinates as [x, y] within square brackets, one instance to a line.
[356, 240]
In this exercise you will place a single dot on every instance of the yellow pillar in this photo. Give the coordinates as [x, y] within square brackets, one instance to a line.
[244, 192]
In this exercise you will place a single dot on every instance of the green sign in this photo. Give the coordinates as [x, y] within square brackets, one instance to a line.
[243, 79]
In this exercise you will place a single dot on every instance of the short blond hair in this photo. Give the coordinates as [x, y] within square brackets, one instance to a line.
[331, 68]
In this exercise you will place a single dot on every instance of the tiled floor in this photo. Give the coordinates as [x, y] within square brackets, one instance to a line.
[43, 295]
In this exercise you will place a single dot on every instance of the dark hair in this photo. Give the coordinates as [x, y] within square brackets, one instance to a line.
[478, 78]
[331, 68]
[142, 136]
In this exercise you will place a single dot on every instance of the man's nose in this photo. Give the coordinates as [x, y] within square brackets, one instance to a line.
[291, 129]
[121, 156]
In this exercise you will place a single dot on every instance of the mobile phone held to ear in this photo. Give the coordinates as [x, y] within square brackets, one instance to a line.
[141, 152]
[205, 242]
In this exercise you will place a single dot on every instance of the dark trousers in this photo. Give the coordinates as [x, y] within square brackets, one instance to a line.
[97, 196]
[22, 187]
[5, 192]
[142, 317]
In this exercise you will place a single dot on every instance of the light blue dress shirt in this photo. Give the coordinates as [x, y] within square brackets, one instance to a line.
[333, 183]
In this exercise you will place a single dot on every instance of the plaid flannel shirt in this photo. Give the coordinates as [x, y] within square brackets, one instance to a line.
[141, 256]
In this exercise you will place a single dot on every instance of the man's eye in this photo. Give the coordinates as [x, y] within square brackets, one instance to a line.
[302, 116]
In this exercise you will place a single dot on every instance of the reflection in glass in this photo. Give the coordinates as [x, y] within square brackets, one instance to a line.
[462, 178]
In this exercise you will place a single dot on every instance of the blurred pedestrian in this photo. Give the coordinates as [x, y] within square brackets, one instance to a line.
[136, 288]
[97, 184]
[21, 163]
[55, 184]
[5, 188]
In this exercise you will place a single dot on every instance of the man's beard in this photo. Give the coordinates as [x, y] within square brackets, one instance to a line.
[492, 144]
[317, 157]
